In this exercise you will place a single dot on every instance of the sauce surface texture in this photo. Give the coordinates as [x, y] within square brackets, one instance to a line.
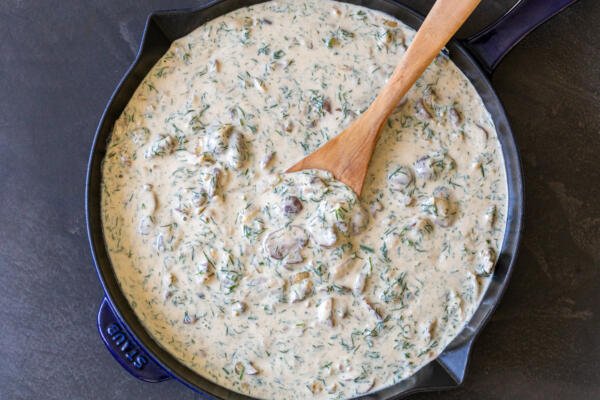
[289, 286]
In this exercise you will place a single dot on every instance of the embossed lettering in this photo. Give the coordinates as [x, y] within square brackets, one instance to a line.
[130, 355]
[119, 338]
[130, 351]
[126, 346]
[113, 328]
[140, 361]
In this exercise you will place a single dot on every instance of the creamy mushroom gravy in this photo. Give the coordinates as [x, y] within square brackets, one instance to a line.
[288, 286]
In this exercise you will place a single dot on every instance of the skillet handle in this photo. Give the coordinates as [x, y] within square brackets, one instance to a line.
[491, 44]
[125, 349]
[455, 360]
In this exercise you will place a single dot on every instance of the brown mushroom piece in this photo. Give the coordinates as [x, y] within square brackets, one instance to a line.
[286, 244]
[455, 117]
[425, 105]
[440, 207]
[359, 220]
[236, 152]
[484, 132]
[486, 260]
[267, 159]
[423, 110]
[216, 140]
[400, 178]
[300, 287]
[434, 165]
[292, 205]
[325, 312]
[210, 182]
[423, 167]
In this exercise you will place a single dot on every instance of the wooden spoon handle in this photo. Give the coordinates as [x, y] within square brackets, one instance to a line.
[441, 24]
[347, 155]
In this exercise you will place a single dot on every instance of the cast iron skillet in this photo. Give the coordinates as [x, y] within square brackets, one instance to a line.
[477, 57]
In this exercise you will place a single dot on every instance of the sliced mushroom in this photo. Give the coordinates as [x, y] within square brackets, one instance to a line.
[486, 259]
[236, 152]
[455, 117]
[210, 181]
[375, 207]
[299, 277]
[238, 308]
[484, 133]
[288, 126]
[214, 65]
[286, 244]
[332, 388]
[198, 199]
[427, 329]
[434, 165]
[325, 311]
[301, 287]
[316, 387]
[384, 37]
[440, 207]
[161, 147]
[423, 167]
[429, 95]
[344, 268]
[360, 282]
[359, 220]
[260, 85]
[169, 281]
[423, 109]
[371, 310]
[244, 368]
[267, 159]
[400, 178]
[454, 305]
[292, 205]
[217, 138]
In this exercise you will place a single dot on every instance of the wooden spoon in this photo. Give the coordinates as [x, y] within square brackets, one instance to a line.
[348, 154]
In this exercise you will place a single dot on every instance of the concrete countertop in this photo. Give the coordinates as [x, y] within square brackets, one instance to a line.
[60, 61]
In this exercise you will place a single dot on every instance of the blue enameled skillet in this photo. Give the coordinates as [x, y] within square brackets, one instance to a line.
[477, 57]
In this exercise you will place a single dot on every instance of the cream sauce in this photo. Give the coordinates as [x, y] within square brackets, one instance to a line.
[289, 286]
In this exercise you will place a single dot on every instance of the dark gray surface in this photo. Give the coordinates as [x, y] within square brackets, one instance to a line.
[59, 62]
